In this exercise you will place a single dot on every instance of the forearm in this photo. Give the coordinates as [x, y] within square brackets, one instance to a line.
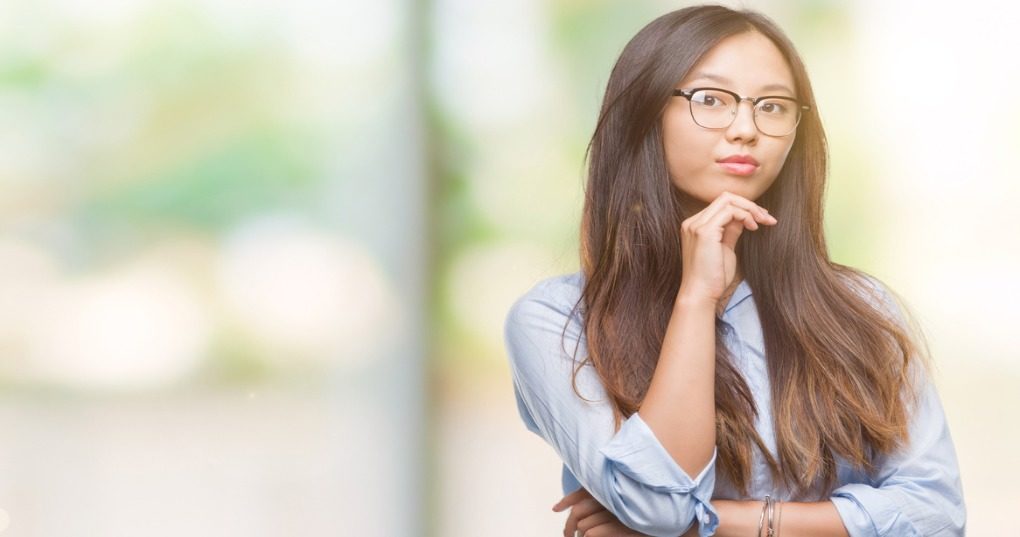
[679, 406]
[792, 519]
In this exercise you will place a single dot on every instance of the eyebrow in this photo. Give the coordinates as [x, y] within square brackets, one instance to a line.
[766, 87]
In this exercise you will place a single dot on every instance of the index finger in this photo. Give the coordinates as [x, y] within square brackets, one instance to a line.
[729, 198]
[571, 499]
[741, 201]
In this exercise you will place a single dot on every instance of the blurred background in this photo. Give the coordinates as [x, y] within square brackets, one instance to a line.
[255, 256]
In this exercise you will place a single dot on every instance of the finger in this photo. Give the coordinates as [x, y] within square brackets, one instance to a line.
[593, 520]
[743, 216]
[729, 217]
[746, 204]
[586, 508]
[705, 214]
[571, 499]
[730, 199]
[746, 210]
[611, 529]
[580, 511]
[732, 231]
[718, 217]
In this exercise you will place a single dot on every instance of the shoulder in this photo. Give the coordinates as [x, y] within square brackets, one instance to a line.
[545, 340]
[873, 290]
[555, 298]
[859, 280]
[893, 307]
[546, 315]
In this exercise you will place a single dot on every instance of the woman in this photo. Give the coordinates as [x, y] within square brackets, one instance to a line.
[710, 370]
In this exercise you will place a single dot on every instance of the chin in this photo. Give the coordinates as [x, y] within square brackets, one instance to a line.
[733, 188]
[708, 192]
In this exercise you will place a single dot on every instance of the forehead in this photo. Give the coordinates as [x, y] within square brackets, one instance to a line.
[748, 63]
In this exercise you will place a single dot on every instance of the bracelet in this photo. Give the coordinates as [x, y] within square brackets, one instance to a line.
[772, 511]
[761, 519]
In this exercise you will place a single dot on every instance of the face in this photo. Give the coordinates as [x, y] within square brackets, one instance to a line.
[747, 64]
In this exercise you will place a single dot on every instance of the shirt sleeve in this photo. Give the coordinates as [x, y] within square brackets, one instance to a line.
[917, 490]
[628, 471]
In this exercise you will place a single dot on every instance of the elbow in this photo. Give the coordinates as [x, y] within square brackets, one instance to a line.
[678, 516]
[941, 509]
[657, 512]
[901, 508]
[645, 488]
[950, 521]
[956, 518]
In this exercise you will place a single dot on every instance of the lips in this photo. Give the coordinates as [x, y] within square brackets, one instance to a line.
[743, 165]
[739, 159]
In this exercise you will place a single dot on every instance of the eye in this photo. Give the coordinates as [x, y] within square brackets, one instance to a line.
[776, 106]
[711, 99]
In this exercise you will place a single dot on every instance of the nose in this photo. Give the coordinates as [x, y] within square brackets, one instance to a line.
[743, 127]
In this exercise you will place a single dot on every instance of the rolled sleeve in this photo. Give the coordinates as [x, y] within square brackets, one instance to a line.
[628, 470]
[636, 452]
[918, 491]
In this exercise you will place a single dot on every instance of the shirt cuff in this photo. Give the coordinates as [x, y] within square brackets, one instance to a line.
[638, 453]
[860, 506]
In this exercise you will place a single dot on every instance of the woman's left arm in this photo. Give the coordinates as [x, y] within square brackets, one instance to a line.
[740, 518]
[737, 518]
[917, 491]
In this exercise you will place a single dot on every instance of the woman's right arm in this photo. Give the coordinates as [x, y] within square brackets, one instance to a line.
[628, 471]
[679, 406]
[638, 472]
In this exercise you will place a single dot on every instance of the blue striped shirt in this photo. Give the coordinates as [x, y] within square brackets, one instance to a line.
[917, 491]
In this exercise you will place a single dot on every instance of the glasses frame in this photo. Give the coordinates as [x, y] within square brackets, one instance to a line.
[739, 99]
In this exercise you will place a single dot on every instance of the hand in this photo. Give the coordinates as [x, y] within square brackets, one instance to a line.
[590, 518]
[709, 239]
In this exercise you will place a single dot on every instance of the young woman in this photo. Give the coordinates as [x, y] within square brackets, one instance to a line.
[710, 370]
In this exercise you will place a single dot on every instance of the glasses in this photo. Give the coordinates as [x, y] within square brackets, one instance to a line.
[714, 108]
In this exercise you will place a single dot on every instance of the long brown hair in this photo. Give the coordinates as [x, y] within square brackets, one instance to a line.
[838, 359]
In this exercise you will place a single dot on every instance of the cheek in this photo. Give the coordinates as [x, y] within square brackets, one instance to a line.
[778, 156]
[685, 153]
[786, 153]
[681, 142]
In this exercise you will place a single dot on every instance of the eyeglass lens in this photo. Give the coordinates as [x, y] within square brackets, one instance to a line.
[716, 109]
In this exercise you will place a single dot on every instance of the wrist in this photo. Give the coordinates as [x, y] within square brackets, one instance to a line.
[692, 301]
[738, 518]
